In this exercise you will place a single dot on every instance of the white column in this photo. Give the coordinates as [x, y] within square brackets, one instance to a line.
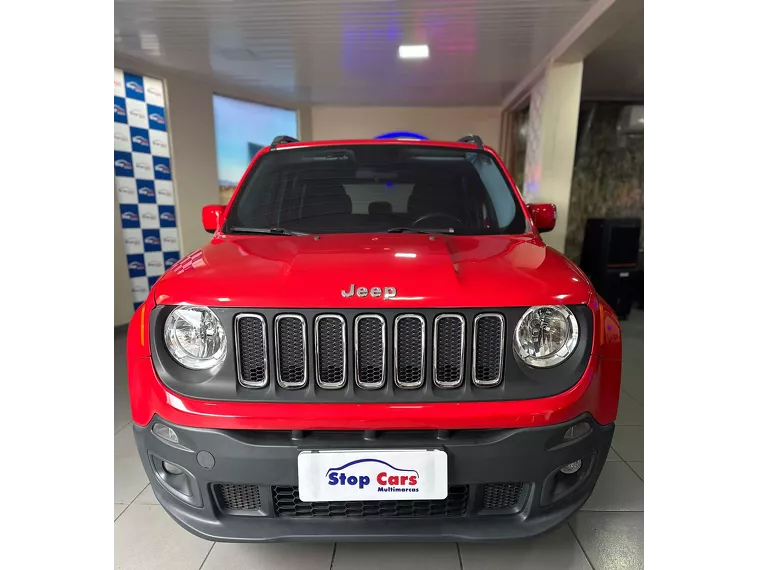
[551, 143]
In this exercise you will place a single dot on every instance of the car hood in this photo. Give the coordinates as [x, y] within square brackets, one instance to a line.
[425, 271]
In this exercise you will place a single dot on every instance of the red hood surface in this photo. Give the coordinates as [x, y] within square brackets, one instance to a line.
[426, 271]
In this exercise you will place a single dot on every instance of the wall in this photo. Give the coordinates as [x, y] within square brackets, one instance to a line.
[608, 173]
[551, 144]
[521, 125]
[122, 299]
[144, 180]
[193, 150]
[441, 123]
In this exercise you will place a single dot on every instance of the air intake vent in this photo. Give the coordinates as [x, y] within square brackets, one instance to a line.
[449, 338]
[410, 346]
[463, 356]
[291, 360]
[489, 340]
[508, 496]
[252, 352]
[370, 351]
[331, 351]
[287, 503]
[238, 497]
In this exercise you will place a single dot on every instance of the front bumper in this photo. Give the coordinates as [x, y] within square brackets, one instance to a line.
[477, 459]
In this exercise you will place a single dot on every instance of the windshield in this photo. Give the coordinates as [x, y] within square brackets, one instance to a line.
[376, 188]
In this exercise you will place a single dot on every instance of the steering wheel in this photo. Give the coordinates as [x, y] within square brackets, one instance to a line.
[435, 215]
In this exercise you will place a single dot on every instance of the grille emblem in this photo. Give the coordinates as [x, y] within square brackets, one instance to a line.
[376, 292]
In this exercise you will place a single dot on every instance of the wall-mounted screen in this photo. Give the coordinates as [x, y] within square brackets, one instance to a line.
[242, 129]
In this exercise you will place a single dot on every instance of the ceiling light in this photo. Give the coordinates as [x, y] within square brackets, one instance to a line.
[413, 51]
[148, 41]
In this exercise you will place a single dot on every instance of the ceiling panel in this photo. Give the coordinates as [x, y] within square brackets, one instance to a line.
[345, 52]
[616, 69]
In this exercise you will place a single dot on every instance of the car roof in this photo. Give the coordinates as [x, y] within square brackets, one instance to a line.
[377, 142]
[467, 142]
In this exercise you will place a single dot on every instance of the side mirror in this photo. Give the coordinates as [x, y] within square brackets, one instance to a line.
[543, 216]
[211, 217]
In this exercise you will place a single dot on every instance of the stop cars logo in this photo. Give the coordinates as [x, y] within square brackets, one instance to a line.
[374, 473]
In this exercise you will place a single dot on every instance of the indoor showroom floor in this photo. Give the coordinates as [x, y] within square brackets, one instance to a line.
[607, 532]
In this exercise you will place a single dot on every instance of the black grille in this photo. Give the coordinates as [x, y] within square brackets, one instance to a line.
[360, 348]
[253, 363]
[290, 350]
[448, 350]
[409, 351]
[287, 503]
[238, 497]
[331, 351]
[488, 349]
[370, 351]
[503, 495]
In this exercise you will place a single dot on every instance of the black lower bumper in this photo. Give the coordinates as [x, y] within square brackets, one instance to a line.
[503, 483]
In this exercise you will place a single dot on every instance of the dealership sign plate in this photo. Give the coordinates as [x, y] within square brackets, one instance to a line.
[366, 475]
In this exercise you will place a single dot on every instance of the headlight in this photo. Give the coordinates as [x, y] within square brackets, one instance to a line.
[195, 338]
[546, 336]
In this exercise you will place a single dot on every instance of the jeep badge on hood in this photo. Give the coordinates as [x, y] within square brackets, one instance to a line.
[389, 292]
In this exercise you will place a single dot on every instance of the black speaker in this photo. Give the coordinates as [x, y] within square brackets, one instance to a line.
[610, 255]
[610, 243]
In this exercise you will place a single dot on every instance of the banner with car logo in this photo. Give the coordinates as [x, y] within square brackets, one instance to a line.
[144, 180]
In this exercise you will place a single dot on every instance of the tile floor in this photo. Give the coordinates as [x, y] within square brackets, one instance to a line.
[606, 534]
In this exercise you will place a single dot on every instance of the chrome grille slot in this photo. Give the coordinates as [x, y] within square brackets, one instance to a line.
[409, 349]
[252, 351]
[331, 351]
[370, 351]
[489, 341]
[290, 351]
[449, 341]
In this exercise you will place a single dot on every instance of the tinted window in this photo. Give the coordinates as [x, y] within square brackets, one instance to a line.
[372, 188]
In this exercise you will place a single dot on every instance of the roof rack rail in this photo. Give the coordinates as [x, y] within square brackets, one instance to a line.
[475, 139]
[282, 139]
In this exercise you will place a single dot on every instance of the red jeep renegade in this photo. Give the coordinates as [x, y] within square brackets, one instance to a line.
[375, 345]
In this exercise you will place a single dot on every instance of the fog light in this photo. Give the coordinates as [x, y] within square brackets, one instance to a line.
[165, 432]
[572, 468]
[576, 431]
[176, 470]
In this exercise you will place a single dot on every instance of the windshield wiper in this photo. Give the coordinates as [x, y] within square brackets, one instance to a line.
[272, 231]
[421, 231]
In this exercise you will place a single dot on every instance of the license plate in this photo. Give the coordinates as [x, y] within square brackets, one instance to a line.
[372, 475]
